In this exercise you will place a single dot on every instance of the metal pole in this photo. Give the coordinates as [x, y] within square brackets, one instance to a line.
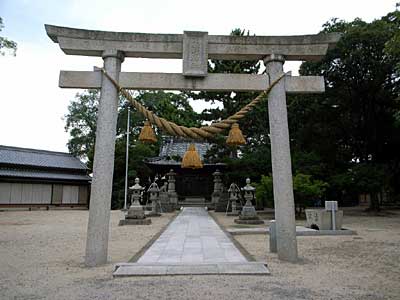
[127, 157]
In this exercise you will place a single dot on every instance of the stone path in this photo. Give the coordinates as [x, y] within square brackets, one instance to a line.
[193, 237]
[192, 244]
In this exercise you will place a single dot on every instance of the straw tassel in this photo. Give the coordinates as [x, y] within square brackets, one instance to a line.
[235, 136]
[191, 159]
[147, 134]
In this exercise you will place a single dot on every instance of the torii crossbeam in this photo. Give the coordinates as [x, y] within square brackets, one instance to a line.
[194, 48]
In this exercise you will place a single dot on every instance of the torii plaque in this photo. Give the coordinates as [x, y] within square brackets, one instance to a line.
[194, 48]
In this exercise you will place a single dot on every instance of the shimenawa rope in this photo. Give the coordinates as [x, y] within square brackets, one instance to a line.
[192, 132]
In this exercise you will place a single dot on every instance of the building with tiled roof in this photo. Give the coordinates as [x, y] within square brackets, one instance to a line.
[31, 177]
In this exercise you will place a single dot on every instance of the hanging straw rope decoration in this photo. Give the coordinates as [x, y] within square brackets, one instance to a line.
[147, 134]
[191, 159]
[196, 133]
[235, 136]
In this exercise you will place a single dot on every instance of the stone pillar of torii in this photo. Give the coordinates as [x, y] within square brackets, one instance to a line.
[194, 48]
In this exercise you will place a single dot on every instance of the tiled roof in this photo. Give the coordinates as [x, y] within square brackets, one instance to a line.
[39, 158]
[172, 147]
[43, 175]
[175, 148]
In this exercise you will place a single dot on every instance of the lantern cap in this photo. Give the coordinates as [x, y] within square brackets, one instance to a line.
[248, 187]
[233, 188]
[153, 188]
[136, 186]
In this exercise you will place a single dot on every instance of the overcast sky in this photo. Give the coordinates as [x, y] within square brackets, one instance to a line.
[32, 105]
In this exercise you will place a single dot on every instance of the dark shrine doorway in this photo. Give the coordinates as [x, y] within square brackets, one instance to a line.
[194, 183]
[190, 183]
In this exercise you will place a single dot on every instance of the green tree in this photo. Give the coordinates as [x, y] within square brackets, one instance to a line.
[354, 121]
[392, 46]
[6, 43]
[307, 190]
[264, 191]
[369, 179]
[80, 121]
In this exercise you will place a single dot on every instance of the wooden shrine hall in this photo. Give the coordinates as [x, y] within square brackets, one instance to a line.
[193, 186]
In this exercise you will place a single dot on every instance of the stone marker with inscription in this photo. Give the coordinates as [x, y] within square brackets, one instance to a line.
[329, 218]
[195, 54]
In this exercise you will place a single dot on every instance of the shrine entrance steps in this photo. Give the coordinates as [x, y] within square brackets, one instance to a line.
[193, 201]
[192, 244]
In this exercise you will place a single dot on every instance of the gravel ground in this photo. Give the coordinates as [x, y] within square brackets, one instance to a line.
[41, 257]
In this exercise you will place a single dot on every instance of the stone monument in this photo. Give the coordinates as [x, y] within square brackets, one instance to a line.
[194, 48]
[330, 218]
[135, 215]
[248, 215]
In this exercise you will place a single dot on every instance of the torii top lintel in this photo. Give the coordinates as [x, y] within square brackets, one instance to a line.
[195, 48]
[93, 42]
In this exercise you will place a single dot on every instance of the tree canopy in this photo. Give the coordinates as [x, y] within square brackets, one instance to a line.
[353, 124]
[5, 43]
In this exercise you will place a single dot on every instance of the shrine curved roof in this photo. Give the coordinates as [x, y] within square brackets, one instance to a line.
[173, 149]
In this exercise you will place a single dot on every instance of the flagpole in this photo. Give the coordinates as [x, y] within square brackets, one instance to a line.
[127, 157]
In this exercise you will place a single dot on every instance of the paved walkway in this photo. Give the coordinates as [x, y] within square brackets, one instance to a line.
[193, 237]
[192, 244]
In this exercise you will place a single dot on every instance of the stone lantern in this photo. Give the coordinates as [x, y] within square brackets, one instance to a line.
[154, 197]
[249, 193]
[135, 215]
[248, 215]
[234, 194]
[136, 191]
[216, 195]
[172, 195]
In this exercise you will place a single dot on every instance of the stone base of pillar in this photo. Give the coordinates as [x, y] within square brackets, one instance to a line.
[153, 214]
[215, 197]
[254, 221]
[273, 248]
[173, 197]
[248, 215]
[135, 211]
[135, 216]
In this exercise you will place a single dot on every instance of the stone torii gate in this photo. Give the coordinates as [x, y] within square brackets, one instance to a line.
[194, 48]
